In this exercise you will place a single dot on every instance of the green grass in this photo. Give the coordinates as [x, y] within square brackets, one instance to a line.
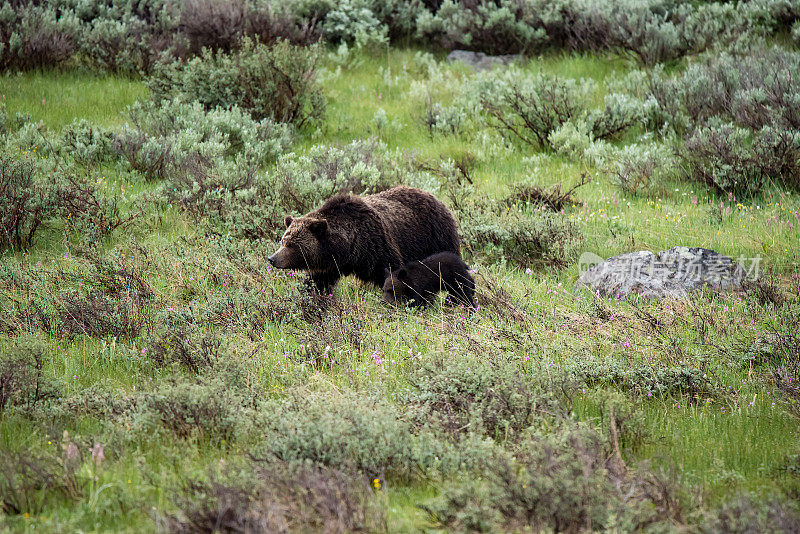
[58, 98]
[717, 451]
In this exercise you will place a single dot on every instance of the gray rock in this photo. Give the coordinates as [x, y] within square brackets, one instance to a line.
[670, 273]
[481, 61]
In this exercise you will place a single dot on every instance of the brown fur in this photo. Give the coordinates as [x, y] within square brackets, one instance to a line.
[366, 235]
[420, 281]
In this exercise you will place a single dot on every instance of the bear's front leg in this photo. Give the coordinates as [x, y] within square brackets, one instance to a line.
[322, 282]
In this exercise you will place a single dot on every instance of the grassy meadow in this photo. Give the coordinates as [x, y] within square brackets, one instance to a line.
[700, 390]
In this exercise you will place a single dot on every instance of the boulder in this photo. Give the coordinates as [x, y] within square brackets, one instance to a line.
[479, 60]
[670, 273]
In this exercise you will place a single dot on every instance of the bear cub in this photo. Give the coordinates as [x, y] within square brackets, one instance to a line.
[421, 280]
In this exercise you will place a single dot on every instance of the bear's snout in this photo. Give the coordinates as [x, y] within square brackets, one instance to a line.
[275, 259]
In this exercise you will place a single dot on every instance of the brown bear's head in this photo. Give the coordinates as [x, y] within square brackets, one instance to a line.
[301, 245]
[395, 286]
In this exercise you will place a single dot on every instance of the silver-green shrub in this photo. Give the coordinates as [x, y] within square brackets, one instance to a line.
[504, 27]
[352, 21]
[161, 137]
[302, 181]
[720, 156]
[86, 142]
[753, 90]
[637, 169]
[359, 431]
[543, 109]
[561, 481]
[37, 36]
[267, 81]
[25, 201]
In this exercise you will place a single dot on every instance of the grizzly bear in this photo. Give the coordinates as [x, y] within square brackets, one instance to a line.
[366, 235]
[420, 281]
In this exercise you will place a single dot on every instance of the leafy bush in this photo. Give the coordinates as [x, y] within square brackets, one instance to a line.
[279, 497]
[774, 15]
[743, 514]
[31, 482]
[728, 159]
[86, 143]
[267, 81]
[33, 139]
[645, 31]
[546, 111]
[360, 21]
[532, 109]
[571, 139]
[554, 198]
[53, 184]
[151, 157]
[254, 204]
[36, 36]
[563, 481]
[399, 16]
[777, 151]
[216, 25]
[355, 431]
[721, 158]
[619, 113]
[246, 310]
[443, 119]
[523, 235]
[167, 138]
[650, 32]
[180, 342]
[221, 24]
[126, 43]
[339, 430]
[22, 380]
[9, 124]
[353, 21]
[98, 315]
[520, 229]
[502, 27]
[24, 200]
[644, 380]
[110, 405]
[753, 90]
[108, 298]
[129, 37]
[206, 410]
[207, 190]
[639, 168]
[481, 397]
[83, 201]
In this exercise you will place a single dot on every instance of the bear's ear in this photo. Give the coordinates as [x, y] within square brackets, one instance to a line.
[386, 272]
[318, 226]
[288, 220]
[402, 274]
